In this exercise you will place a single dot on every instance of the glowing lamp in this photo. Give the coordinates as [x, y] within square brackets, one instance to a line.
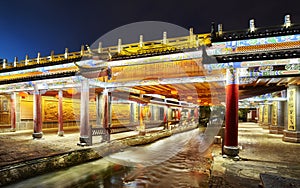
[23, 94]
[174, 92]
[71, 91]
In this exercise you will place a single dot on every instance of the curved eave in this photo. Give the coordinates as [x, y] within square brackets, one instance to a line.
[38, 77]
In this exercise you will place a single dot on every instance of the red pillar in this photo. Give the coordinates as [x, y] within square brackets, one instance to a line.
[105, 109]
[13, 111]
[37, 114]
[84, 113]
[231, 118]
[196, 115]
[142, 115]
[60, 114]
[166, 117]
[98, 110]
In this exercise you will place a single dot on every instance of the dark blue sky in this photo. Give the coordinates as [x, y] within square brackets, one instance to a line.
[32, 26]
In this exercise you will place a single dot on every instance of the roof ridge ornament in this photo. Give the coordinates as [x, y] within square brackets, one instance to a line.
[287, 21]
[251, 25]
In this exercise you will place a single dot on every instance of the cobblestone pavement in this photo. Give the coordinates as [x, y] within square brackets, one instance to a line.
[20, 146]
[260, 152]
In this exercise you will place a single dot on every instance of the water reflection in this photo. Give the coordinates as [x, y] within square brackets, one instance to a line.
[100, 173]
[179, 156]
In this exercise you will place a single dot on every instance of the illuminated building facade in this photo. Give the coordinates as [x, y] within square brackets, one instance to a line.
[159, 83]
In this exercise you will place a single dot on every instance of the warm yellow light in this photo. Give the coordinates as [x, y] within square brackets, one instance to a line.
[198, 100]
[23, 94]
[71, 91]
[174, 92]
[189, 97]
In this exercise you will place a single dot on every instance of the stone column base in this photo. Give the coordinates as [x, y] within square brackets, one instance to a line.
[291, 136]
[84, 141]
[60, 133]
[276, 130]
[37, 135]
[265, 125]
[231, 150]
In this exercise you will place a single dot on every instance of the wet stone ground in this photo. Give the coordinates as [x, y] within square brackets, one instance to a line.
[21, 147]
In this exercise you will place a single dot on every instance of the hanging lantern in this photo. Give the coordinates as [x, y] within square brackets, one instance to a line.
[189, 97]
[71, 91]
[174, 92]
[23, 94]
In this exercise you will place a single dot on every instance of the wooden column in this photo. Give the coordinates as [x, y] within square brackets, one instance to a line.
[291, 131]
[142, 124]
[13, 111]
[105, 109]
[196, 115]
[266, 116]
[132, 113]
[98, 110]
[60, 114]
[84, 113]
[260, 114]
[166, 108]
[109, 113]
[231, 119]
[179, 116]
[37, 114]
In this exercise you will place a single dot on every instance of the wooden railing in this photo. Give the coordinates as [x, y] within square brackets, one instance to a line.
[180, 43]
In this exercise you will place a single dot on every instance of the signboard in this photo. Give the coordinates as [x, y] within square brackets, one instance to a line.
[26, 108]
[261, 109]
[292, 109]
[275, 113]
[266, 113]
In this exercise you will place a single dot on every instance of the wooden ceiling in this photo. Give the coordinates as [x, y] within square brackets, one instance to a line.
[208, 93]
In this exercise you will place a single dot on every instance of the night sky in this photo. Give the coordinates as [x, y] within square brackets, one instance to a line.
[32, 26]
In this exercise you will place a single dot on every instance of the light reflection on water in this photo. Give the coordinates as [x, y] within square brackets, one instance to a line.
[111, 170]
[99, 173]
[154, 153]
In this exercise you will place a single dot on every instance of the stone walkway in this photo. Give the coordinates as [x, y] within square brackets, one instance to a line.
[19, 146]
[260, 152]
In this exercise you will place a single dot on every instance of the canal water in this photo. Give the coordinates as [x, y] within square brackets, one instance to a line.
[177, 161]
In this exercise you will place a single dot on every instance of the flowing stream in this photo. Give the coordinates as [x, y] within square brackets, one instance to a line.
[177, 161]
